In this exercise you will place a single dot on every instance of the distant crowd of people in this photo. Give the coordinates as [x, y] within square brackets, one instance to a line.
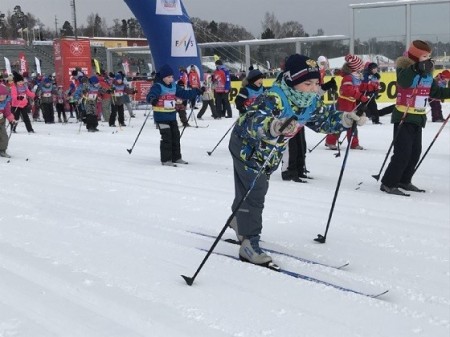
[269, 130]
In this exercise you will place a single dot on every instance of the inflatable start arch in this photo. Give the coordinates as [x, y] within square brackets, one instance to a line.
[169, 32]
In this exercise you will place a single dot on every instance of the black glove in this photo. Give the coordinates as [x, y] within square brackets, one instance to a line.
[424, 67]
[154, 101]
[330, 85]
[20, 97]
[377, 76]
[203, 89]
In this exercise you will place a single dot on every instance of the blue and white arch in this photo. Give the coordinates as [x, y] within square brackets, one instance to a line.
[169, 32]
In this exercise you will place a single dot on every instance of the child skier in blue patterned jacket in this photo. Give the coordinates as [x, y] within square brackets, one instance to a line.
[294, 93]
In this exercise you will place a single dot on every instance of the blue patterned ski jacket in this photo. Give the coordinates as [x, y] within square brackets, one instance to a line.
[251, 140]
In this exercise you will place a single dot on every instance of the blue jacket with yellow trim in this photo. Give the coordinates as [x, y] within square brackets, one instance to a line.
[159, 88]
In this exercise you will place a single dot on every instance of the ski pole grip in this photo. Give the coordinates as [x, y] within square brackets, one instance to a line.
[285, 124]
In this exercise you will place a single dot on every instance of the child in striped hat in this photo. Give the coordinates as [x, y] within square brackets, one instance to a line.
[349, 97]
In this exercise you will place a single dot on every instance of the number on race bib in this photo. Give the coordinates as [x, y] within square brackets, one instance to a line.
[169, 104]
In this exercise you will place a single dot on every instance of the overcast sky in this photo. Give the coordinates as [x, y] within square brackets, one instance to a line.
[331, 15]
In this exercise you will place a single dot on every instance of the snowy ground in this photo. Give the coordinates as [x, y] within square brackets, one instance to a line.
[93, 240]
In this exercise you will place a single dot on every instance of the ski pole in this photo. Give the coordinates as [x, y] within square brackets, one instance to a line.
[220, 141]
[333, 97]
[12, 128]
[143, 124]
[400, 124]
[194, 118]
[322, 238]
[184, 128]
[311, 150]
[81, 117]
[12, 124]
[339, 143]
[190, 280]
[432, 142]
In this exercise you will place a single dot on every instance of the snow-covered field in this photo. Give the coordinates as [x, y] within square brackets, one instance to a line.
[93, 240]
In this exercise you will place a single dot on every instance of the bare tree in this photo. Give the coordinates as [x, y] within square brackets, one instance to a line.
[272, 23]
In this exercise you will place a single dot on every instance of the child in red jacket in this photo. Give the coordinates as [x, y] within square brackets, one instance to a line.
[442, 80]
[349, 97]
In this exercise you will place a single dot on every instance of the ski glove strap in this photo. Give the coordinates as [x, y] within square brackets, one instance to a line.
[289, 131]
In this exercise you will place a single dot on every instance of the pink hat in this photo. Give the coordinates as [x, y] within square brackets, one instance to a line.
[354, 62]
[3, 90]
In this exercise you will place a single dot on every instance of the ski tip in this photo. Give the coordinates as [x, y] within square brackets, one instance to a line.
[189, 280]
[346, 264]
[272, 266]
[380, 294]
[320, 238]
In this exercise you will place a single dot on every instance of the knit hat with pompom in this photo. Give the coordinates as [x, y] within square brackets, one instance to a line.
[354, 62]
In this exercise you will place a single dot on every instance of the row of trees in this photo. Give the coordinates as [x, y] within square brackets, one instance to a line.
[13, 25]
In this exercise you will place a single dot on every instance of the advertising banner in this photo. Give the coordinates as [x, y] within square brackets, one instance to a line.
[70, 54]
[142, 88]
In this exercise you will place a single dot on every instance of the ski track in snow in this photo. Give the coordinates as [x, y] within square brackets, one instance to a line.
[93, 240]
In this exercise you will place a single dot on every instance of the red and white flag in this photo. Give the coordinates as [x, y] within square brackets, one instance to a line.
[23, 63]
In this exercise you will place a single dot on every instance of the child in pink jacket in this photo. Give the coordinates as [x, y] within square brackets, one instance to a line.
[20, 105]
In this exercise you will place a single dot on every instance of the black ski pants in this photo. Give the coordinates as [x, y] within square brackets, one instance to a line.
[170, 147]
[223, 104]
[294, 157]
[407, 150]
[23, 112]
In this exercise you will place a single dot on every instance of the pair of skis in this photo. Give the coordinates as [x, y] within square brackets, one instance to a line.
[293, 274]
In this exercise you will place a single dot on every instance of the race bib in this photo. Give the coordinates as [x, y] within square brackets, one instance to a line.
[47, 94]
[92, 97]
[169, 104]
[420, 102]
[118, 94]
[60, 101]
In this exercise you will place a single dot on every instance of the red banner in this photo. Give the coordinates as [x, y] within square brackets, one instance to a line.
[142, 88]
[69, 55]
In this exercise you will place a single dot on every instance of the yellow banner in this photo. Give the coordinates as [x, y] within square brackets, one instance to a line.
[387, 94]
[97, 66]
